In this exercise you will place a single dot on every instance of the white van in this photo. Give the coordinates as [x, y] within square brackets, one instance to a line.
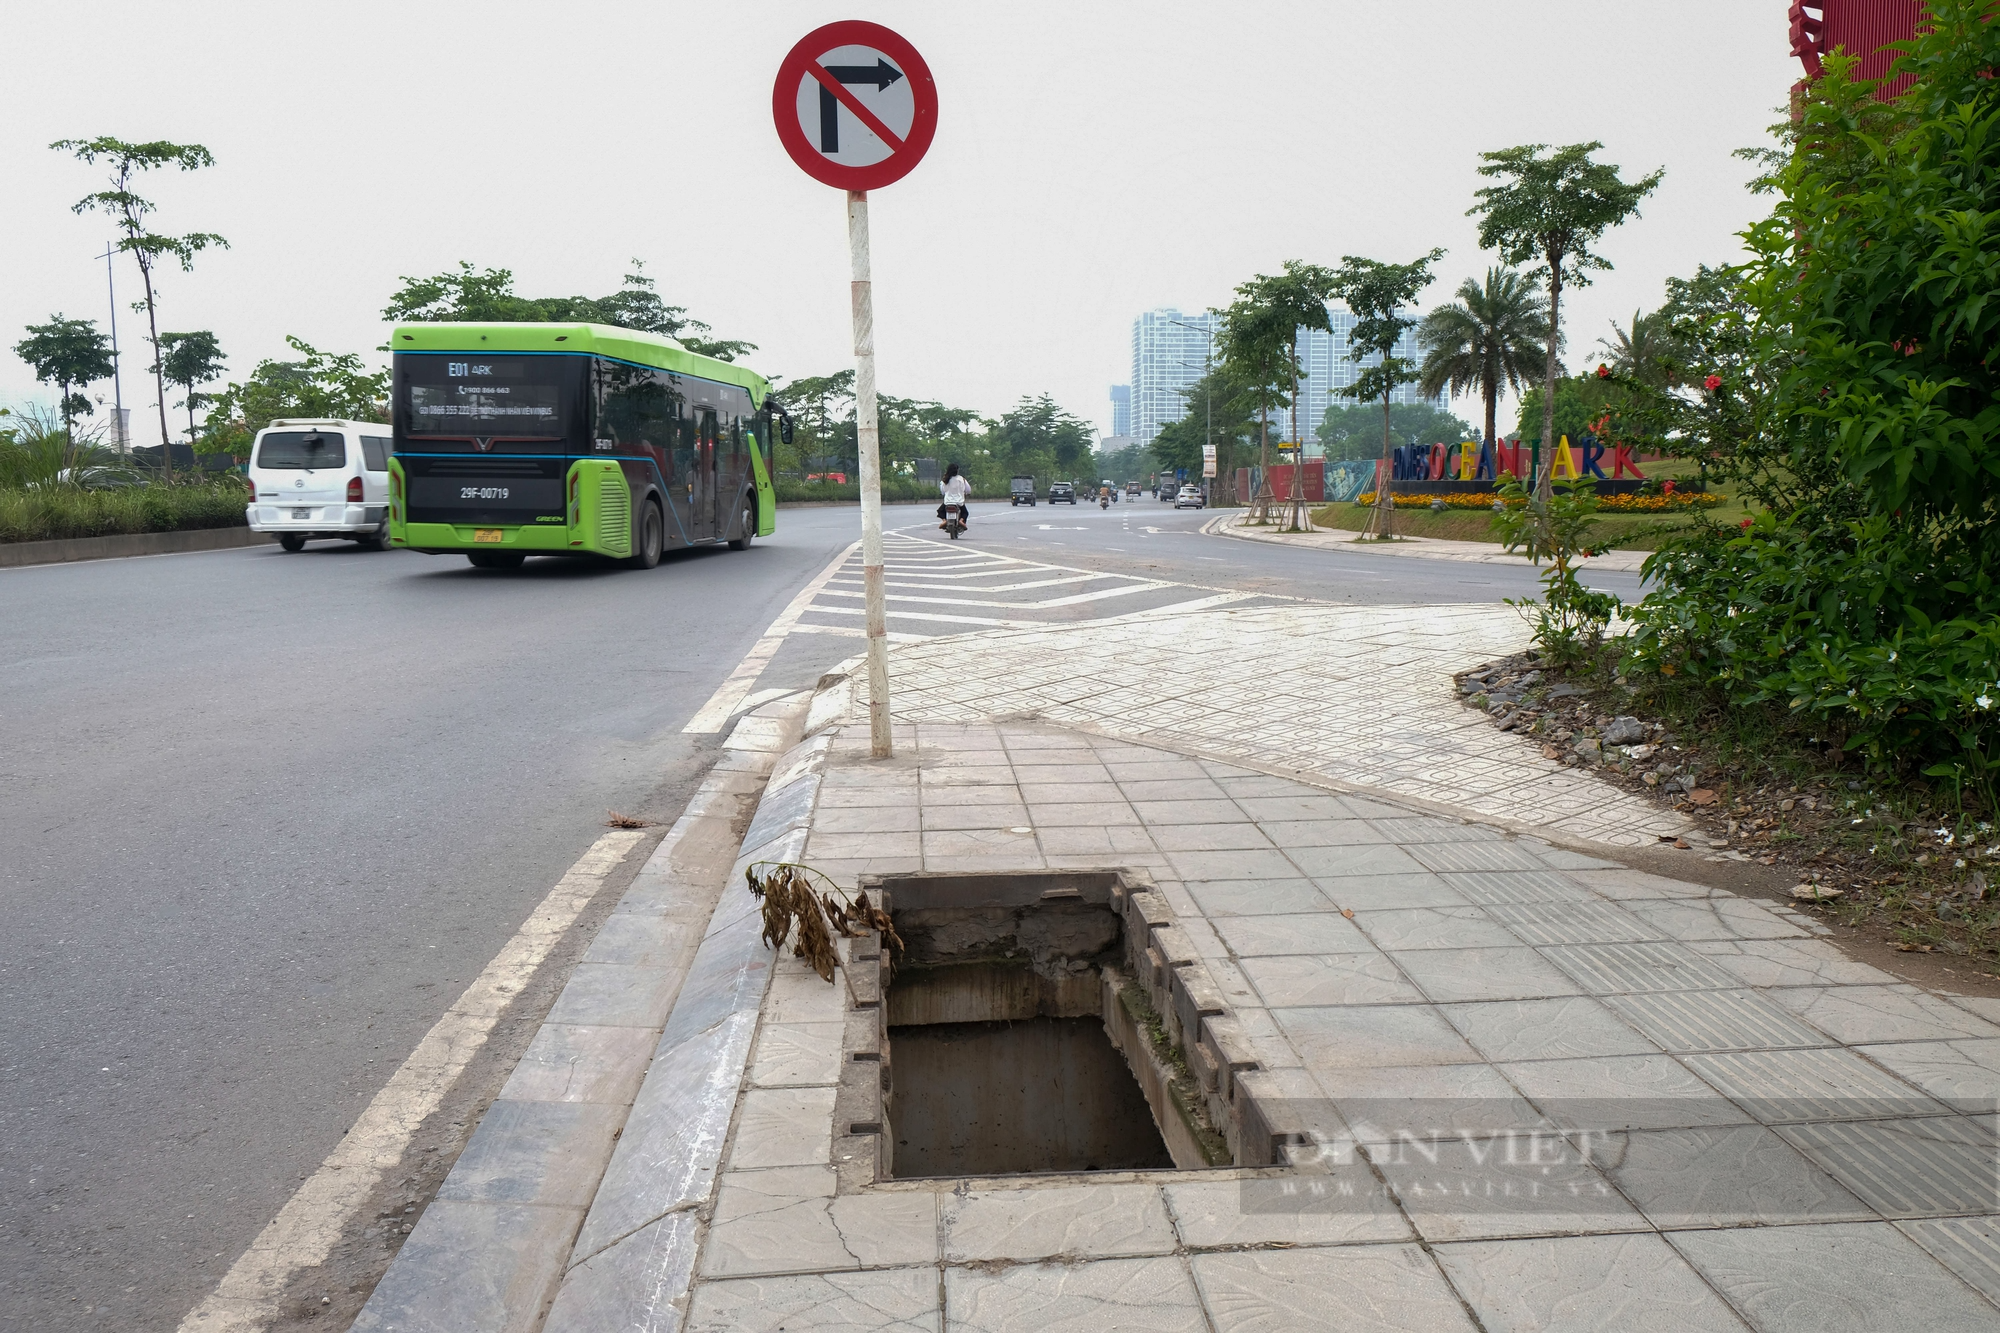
[321, 478]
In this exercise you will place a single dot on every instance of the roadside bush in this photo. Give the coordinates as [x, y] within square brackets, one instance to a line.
[1570, 619]
[54, 513]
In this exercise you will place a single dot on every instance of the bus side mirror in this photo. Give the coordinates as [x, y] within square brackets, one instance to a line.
[785, 430]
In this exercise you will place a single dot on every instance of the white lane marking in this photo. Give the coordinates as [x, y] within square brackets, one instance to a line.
[305, 1230]
[956, 620]
[847, 632]
[1073, 599]
[728, 697]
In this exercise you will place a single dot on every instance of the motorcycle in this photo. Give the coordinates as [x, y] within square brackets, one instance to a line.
[1104, 502]
[954, 520]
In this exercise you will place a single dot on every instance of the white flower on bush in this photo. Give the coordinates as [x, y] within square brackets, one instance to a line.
[1984, 701]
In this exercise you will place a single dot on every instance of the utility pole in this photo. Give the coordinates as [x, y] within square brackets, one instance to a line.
[117, 374]
[868, 441]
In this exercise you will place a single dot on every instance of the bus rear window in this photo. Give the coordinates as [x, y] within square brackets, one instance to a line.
[487, 396]
[302, 450]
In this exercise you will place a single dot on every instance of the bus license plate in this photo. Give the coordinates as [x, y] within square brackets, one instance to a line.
[487, 535]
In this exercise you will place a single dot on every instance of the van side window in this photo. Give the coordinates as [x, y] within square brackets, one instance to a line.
[375, 452]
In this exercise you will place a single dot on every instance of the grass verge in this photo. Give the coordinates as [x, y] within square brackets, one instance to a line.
[54, 514]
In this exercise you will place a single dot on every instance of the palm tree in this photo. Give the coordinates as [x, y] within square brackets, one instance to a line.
[1491, 338]
[1646, 351]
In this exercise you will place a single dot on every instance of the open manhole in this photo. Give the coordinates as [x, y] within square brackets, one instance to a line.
[1053, 1021]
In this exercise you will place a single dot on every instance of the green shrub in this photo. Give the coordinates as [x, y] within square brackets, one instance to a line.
[54, 513]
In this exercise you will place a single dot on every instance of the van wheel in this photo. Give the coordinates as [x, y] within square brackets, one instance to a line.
[494, 560]
[377, 540]
[749, 520]
[291, 543]
[651, 534]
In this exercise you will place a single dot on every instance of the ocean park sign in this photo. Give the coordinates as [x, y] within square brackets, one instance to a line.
[1479, 466]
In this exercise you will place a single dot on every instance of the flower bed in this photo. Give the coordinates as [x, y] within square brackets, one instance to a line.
[1631, 503]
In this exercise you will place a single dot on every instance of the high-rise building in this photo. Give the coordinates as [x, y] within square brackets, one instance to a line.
[1121, 409]
[1170, 351]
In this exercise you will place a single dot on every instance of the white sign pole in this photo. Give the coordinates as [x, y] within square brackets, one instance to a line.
[870, 442]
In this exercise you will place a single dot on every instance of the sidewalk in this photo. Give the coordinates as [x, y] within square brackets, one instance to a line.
[1230, 524]
[1500, 1079]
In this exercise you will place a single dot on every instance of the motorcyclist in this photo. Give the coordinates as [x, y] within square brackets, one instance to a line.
[956, 490]
[1104, 497]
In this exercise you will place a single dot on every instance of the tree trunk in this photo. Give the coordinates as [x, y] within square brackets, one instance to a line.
[1385, 491]
[190, 389]
[1544, 487]
[1492, 418]
[159, 371]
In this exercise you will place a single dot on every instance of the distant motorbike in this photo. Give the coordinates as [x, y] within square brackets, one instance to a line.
[954, 520]
[1104, 502]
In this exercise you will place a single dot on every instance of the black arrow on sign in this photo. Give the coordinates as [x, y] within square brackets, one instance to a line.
[881, 74]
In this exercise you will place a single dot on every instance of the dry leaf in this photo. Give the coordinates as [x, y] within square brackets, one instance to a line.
[1815, 893]
[1347, 912]
[1702, 796]
[626, 821]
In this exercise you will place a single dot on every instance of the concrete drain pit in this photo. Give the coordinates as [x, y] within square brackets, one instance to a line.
[1037, 1022]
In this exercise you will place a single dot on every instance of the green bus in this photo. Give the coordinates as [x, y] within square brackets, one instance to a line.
[514, 440]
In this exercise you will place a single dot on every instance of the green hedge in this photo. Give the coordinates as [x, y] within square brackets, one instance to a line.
[62, 512]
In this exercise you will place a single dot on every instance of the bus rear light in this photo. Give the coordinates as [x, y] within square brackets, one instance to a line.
[354, 490]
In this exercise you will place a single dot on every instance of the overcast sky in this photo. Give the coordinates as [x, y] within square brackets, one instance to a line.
[1092, 160]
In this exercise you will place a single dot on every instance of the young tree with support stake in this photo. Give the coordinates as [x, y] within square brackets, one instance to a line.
[70, 354]
[1550, 211]
[128, 212]
[190, 359]
[1260, 343]
[1377, 292]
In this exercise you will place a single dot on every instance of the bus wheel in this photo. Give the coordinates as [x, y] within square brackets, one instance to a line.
[651, 534]
[291, 543]
[494, 560]
[749, 520]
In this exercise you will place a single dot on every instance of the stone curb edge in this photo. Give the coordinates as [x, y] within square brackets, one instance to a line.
[67, 550]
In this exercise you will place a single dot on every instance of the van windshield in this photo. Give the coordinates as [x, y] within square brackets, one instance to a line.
[308, 450]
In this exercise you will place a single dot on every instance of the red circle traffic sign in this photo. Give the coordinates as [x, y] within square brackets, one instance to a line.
[855, 105]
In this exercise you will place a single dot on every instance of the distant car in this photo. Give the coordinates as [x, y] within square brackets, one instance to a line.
[1022, 490]
[1062, 493]
[1190, 497]
[1168, 489]
[1133, 490]
[321, 477]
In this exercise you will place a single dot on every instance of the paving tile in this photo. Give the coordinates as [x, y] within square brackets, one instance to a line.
[1097, 814]
[1083, 770]
[1340, 978]
[473, 1265]
[1337, 863]
[1247, 863]
[1856, 1015]
[982, 842]
[1433, 928]
[1357, 1289]
[839, 845]
[545, 1153]
[1516, 973]
[1267, 1040]
[1723, 1175]
[1361, 1036]
[796, 1054]
[936, 775]
[1968, 1246]
[1335, 1206]
[1615, 1092]
[893, 1300]
[1634, 885]
[1292, 833]
[867, 819]
[1173, 789]
[1479, 1188]
[1767, 963]
[1442, 856]
[1055, 793]
[1095, 841]
[1158, 767]
[1986, 1006]
[1257, 898]
[1585, 1284]
[1962, 1074]
[1303, 933]
[1150, 1294]
[1072, 1221]
[616, 995]
[1810, 1085]
[1301, 806]
[1383, 1104]
[954, 819]
[1491, 887]
[1388, 892]
[1908, 1168]
[1210, 838]
[1571, 923]
[1547, 1029]
[1414, 828]
[949, 797]
[1853, 1277]
[1611, 969]
[1713, 1020]
[1716, 919]
[576, 1063]
[1215, 811]
[788, 1221]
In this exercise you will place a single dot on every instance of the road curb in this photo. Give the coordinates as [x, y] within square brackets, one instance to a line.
[16, 555]
[598, 1110]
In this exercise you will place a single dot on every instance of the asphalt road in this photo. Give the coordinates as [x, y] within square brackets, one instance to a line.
[265, 815]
